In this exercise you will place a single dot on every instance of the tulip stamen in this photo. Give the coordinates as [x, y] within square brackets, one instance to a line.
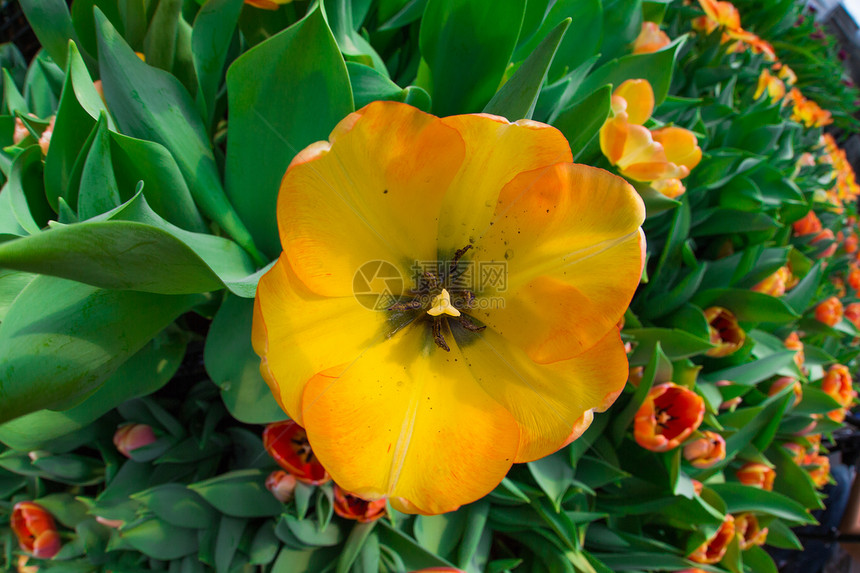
[438, 337]
[467, 323]
[303, 449]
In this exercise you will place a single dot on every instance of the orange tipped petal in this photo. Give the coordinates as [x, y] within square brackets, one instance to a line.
[680, 145]
[639, 96]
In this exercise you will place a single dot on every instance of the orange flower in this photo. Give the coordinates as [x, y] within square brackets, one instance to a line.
[282, 485]
[829, 311]
[749, 531]
[287, 443]
[852, 313]
[793, 342]
[21, 132]
[850, 244]
[650, 39]
[718, 14]
[777, 283]
[785, 73]
[132, 436]
[697, 486]
[756, 475]
[671, 188]
[712, 550]
[772, 85]
[640, 154]
[808, 224]
[825, 235]
[350, 506]
[382, 371]
[35, 529]
[439, 570]
[854, 277]
[837, 384]
[820, 473]
[732, 402]
[797, 451]
[806, 111]
[705, 451]
[267, 4]
[783, 382]
[667, 417]
[725, 332]
[45, 138]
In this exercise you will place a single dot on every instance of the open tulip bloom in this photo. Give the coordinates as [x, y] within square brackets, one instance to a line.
[446, 301]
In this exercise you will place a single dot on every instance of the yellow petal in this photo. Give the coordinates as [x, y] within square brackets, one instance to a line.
[553, 403]
[406, 420]
[640, 100]
[496, 151]
[374, 193]
[681, 146]
[613, 135]
[569, 239]
[298, 333]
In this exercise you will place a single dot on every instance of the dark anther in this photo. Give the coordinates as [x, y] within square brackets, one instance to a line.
[458, 254]
[432, 280]
[467, 323]
[303, 449]
[411, 305]
[437, 334]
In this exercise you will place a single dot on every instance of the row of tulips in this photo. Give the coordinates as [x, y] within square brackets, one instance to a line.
[650, 384]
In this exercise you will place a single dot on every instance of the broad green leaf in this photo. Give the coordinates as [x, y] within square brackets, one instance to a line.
[239, 494]
[43, 85]
[342, 21]
[518, 97]
[747, 305]
[52, 23]
[414, 556]
[232, 364]
[800, 297]
[159, 44]
[580, 43]
[752, 372]
[12, 98]
[740, 498]
[440, 533]
[402, 14]
[213, 30]
[62, 340]
[554, 475]
[358, 536]
[302, 560]
[160, 540]
[71, 129]
[369, 85]
[792, 480]
[622, 22]
[305, 533]
[467, 45]
[303, 66]
[581, 122]
[136, 160]
[145, 372]
[151, 104]
[11, 285]
[177, 505]
[98, 192]
[227, 542]
[676, 343]
[265, 545]
[26, 191]
[475, 530]
[655, 67]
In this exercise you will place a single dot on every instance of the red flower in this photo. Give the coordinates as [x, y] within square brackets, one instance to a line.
[829, 312]
[288, 445]
[351, 506]
[705, 451]
[667, 417]
[749, 531]
[282, 485]
[725, 332]
[809, 224]
[712, 550]
[35, 529]
[132, 436]
[756, 475]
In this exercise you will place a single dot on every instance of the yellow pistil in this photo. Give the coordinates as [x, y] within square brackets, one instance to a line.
[442, 305]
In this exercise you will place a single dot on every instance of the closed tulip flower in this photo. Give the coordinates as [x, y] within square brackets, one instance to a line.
[713, 550]
[756, 475]
[35, 529]
[829, 311]
[706, 450]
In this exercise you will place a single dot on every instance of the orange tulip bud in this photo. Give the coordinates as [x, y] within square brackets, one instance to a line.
[671, 188]
[267, 4]
[854, 277]
[748, 530]
[650, 39]
[697, 486]
[350, 506]
[792, 342]
[797, 451]
[667, 417]
[756, 475]
[852, 313]
[785, 73]
[808, 224]
[21, 132]
[45, 139]
[705, 451]
[825, 236]
[35, 528]
[777, 283]
[725, 332]
[837, 384]
[712, 550]
[771, 85]
[131, 437]
[287, 443]
[785, 381]
[829, 311]
[681, 146]
[282, 485]
[820, 473]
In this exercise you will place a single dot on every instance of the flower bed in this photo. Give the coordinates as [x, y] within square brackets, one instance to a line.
[479, 286]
